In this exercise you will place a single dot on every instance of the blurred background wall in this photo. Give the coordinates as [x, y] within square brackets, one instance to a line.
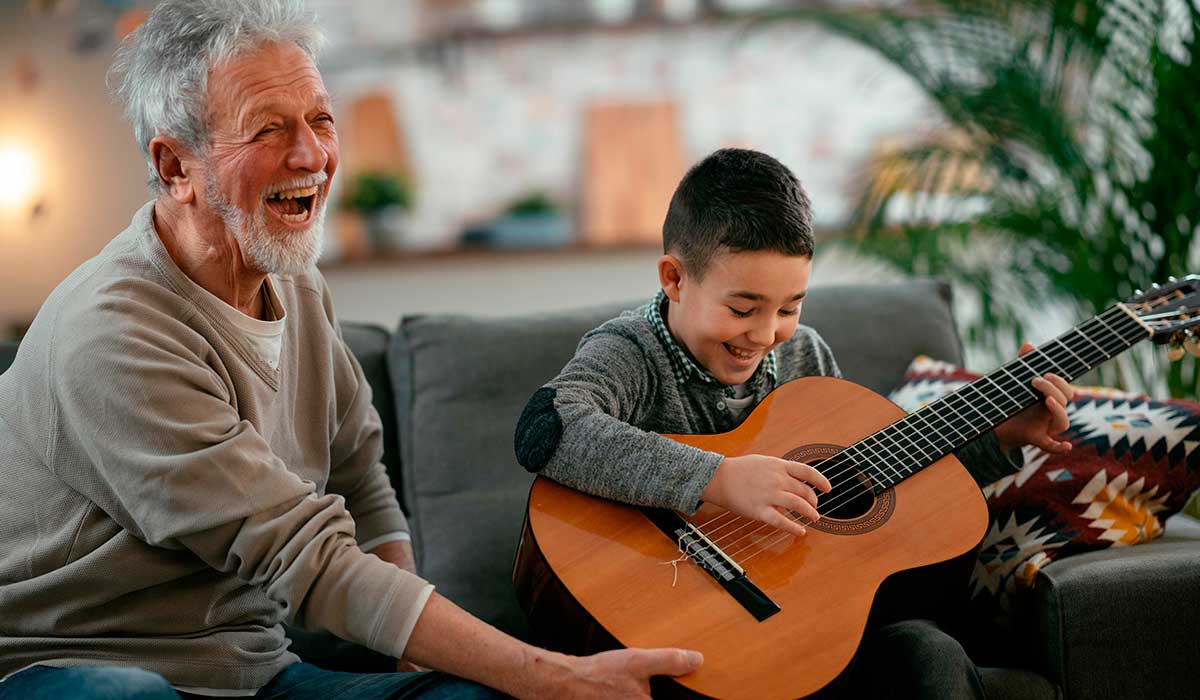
[506, 156]
[595, 109]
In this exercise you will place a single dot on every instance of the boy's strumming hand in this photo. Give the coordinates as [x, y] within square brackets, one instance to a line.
[1039, 424]
[765, 488]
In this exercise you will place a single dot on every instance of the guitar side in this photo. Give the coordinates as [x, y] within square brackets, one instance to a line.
[588, 559]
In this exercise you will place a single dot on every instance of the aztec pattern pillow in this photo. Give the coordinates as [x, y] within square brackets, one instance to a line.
[1135, 462]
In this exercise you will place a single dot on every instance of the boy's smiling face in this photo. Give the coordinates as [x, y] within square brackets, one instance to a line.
[746, 303]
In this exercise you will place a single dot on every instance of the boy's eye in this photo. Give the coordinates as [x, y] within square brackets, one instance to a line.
[739, 313]
[789, 312]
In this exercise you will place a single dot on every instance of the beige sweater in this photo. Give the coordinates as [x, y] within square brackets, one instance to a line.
[168, 498]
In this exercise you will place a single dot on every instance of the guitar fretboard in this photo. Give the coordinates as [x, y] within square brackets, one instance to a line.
[914, 442]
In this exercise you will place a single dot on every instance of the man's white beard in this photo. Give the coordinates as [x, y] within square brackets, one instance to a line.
[289, 254]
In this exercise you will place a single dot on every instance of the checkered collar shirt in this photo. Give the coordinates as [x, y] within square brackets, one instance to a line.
[682, 364]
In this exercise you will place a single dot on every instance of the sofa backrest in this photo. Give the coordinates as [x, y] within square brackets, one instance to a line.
[460, 383]
[8, 353]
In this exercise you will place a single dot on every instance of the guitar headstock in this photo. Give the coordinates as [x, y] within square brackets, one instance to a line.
[1172, 312]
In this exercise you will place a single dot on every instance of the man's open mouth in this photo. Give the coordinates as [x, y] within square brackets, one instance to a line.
[294, 206]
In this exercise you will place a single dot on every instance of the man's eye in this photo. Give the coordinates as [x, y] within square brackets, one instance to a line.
[739, 313]
[789, 312]
[266, 130]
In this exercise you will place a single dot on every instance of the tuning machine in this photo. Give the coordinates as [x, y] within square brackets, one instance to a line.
[1192, 344]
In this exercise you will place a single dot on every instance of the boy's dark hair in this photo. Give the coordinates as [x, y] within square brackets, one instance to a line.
[741, 200]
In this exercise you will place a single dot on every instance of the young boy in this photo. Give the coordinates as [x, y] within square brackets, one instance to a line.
[721, 334]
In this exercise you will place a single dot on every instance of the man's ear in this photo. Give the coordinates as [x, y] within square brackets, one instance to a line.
[671, 275]
[169, 159]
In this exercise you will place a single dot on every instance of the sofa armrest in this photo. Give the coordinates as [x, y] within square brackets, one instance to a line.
[1120, 623]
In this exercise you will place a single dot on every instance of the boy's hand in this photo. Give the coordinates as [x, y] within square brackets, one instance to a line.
[764, 488]
[1038, 424]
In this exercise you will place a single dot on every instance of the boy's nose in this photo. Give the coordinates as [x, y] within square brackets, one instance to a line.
[762, 334]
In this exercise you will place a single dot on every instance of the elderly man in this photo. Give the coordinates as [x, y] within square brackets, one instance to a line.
[188, 450]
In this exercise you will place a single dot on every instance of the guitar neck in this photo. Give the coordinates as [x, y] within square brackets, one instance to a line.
[925, 436]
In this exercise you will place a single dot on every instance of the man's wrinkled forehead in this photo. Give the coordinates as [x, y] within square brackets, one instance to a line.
[269, 80]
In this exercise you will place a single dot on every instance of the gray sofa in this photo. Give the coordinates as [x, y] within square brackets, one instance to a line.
[1121, 623]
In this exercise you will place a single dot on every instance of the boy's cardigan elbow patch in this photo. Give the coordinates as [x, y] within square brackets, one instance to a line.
[539, 430]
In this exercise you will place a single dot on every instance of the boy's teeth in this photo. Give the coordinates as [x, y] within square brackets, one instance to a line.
[740, 353]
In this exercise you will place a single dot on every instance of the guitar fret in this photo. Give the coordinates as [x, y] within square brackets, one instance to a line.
[1077, 357]
[901, 449]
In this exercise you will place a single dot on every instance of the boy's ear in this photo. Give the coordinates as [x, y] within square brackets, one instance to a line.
[168, 157]
[671, 275]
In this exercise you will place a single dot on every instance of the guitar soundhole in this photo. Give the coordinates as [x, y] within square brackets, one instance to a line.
[850, 498]
[851, 508]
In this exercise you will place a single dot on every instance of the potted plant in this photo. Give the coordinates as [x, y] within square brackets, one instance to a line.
[531, 221]
[383, 199]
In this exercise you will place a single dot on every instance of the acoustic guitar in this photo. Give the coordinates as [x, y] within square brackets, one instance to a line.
[777, 616]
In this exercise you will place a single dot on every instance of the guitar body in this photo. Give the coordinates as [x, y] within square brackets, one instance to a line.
[592, 573]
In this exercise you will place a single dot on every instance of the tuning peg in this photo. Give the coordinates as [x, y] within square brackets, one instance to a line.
[1192, 345]
[1172, 280]
[1174, 352]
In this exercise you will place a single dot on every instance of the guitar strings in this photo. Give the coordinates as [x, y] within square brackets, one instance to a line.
[1121, 345]
[855, 467]
[847, 465]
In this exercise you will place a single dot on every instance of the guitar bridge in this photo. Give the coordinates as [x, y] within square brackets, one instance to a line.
[714, 561]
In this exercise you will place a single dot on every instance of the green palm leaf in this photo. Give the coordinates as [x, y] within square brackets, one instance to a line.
[1067, 154]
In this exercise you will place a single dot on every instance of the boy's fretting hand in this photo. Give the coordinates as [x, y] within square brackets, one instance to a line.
[1040, 423]
[763, 488]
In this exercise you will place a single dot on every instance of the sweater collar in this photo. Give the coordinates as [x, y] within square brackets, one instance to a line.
[682, 364]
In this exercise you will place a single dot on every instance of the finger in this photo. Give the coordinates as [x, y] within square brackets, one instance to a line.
[1025, 347]
[1059, 421]
[1064, 387]
[793, 485]
[783, 522]
[1055, 446]
[805, 473]
[663, 662]
[1049, 387]
[800, 506]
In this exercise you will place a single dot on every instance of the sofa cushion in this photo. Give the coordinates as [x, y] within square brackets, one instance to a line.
[461, 382]
[1134, 463]
[1120, 623]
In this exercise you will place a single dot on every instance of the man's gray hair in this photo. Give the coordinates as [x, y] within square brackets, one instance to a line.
[163, 66]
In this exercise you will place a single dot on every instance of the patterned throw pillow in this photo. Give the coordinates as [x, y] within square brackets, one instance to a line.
[1135, 462]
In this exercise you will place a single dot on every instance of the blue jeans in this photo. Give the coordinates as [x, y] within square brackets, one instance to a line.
[296, 682]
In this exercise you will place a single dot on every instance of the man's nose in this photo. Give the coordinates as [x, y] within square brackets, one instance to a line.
[306, 152]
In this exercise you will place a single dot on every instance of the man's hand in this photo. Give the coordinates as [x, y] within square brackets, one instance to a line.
[1039, 424]
[620, 674]
[451, 640]
[765, 488]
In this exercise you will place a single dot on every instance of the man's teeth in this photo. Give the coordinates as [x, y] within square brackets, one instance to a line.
[297, 193]
[740, 353]
[295, 218]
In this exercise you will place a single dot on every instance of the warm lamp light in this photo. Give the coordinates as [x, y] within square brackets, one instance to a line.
[18, 177]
